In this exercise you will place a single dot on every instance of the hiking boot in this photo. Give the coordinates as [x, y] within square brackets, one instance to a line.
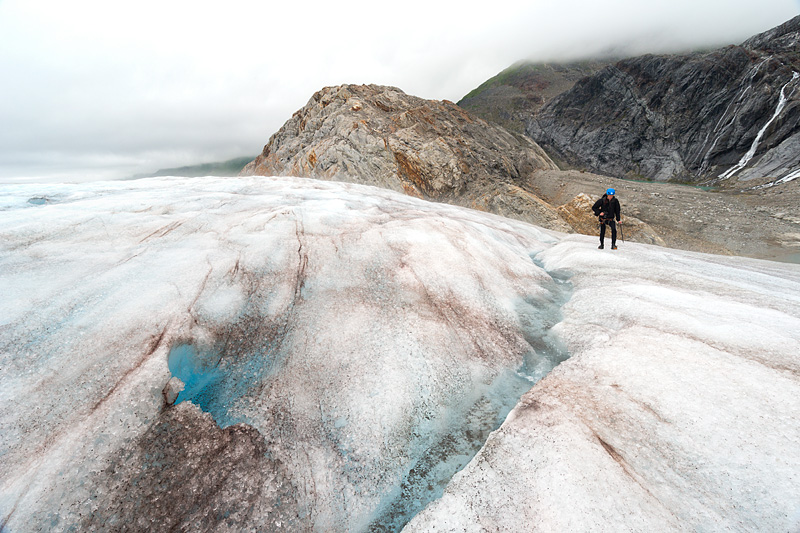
[613, 246]
[601, 246]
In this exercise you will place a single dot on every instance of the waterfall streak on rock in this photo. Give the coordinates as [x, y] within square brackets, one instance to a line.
[729, 123]
[752, 151]
[793, 176]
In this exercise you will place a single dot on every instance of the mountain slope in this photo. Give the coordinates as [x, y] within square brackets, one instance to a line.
[728, 115]
[511, 97]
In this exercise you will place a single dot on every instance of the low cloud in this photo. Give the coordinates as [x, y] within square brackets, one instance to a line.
[97, 88]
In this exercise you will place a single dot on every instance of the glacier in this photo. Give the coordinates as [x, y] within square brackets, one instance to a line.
[353, 359]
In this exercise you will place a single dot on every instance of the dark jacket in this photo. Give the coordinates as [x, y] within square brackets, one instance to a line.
[609, 208]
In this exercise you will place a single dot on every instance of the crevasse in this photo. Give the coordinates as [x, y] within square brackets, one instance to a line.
[215, 382]
[436, 465]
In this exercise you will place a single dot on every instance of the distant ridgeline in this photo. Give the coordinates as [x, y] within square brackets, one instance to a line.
[729, 115]
[231, 167]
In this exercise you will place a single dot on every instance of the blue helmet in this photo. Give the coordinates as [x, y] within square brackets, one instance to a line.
[610, 191]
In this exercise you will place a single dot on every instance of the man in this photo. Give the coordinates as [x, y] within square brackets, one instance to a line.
[607, 210]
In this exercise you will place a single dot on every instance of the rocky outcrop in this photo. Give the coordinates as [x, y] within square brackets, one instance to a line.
[515, 202]
[704, 117]
[380, 136]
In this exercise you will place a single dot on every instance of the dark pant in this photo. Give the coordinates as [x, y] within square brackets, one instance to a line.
[613, 226]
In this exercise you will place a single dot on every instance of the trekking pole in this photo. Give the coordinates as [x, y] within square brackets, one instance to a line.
[622, 235]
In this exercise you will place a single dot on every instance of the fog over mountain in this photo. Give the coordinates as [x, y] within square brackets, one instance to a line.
[94, 89]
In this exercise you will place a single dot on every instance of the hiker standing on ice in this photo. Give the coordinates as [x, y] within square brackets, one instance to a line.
[607, 210]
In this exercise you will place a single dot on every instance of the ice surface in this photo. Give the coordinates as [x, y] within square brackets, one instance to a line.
[373, 341]
[352, 348]
[676, 410]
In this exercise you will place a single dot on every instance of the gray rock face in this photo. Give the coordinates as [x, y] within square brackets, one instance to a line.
[380, 136]
[172, 389]
[729, 113]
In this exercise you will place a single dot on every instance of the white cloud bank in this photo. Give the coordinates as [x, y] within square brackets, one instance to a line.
[357, 330]
[91, 87]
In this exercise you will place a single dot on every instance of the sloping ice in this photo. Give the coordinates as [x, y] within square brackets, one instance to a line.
[346, 350]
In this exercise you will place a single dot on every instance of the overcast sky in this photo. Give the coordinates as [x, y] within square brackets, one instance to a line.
[102, 89]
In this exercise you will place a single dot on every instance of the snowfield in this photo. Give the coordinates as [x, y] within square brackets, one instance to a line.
[352, 359]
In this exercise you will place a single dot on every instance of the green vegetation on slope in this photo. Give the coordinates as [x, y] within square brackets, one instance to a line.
[231, 167]
[518, 92]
